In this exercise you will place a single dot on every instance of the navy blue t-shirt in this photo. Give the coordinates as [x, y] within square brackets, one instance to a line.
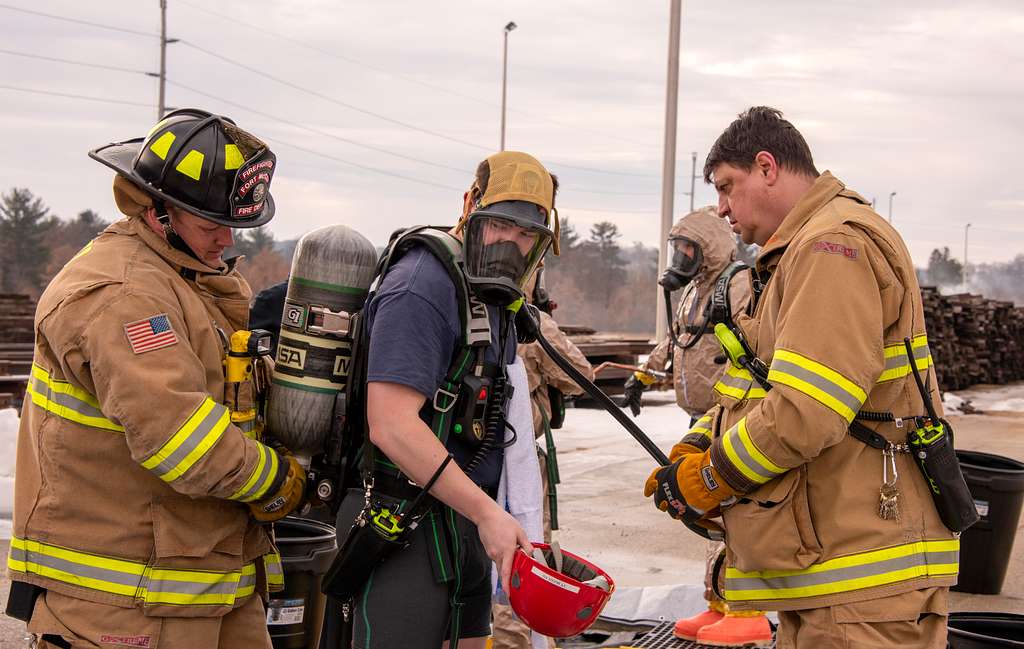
[415, 330]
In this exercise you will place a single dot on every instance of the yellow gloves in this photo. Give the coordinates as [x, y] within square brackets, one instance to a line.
[287, 497]
[689, 480]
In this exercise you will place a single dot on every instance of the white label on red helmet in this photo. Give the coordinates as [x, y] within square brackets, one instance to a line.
[564, 585]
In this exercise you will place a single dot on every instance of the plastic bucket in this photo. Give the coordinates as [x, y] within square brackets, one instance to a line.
[294, 615]
[986, 631]
[997, 486]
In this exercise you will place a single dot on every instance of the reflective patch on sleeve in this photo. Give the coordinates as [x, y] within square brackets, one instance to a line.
[190, 442]
[817, 381]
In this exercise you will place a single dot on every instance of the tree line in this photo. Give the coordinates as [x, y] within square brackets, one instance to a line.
[597, 281]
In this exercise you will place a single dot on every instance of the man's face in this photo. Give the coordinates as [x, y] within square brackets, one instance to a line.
[498, 230]
[742, 198]
[207, 239]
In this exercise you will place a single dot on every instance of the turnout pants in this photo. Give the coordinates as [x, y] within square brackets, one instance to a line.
[71, 622]
[915, 620]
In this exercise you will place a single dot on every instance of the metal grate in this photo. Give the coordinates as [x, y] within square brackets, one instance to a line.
[660, 637]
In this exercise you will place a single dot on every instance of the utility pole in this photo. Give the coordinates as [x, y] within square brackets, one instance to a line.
[963, 271]
[891, 195]
[504, 81]
[163, 58]
[668, 169]
[693, 175]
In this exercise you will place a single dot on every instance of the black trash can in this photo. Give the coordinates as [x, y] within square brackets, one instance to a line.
[997, 486]
[295, 614]
[986, 631]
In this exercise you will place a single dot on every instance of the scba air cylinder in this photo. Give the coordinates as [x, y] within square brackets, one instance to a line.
[331, 274]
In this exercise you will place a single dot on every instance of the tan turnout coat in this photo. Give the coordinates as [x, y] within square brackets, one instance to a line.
[131, 477]
[840, 297]
[694, 371]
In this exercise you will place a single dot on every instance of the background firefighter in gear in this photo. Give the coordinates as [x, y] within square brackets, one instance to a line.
[141, 479]
[832, 527]
[543, 376]
[429, 372]
[702, 250]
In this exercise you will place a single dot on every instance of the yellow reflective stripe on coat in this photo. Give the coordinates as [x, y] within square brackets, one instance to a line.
[274, 570]
[67, 401]
[262, 477]
[817, 381]
[843, 574]
[701, 427]
[746, 457]
[135, 579]
[897, 365]
[738, 383]
[190, 442]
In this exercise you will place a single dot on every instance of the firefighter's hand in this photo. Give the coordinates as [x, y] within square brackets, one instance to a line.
[501, 535]
[700, 484]
[634, 389]
[286, 497]
[663, 484]
[681, 450]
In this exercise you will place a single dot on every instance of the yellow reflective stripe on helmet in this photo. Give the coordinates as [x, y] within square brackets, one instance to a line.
[262, 477]
[274, 569]
[897, 365]
[67, 401]
[162, 145]
[135, 579]
[233, 158]
[190, 442]
[817, 381]
[192, 164]
[744, 455]
[843, 574]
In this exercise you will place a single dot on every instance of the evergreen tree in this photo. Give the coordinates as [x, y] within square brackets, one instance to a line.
[252, 241]
[24, 249]
[944, 270]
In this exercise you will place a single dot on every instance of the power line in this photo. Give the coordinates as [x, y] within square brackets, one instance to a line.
[78, 22]
[73, 96]
[71, 62]
[315, 130]
[263, 30]
[332, 100]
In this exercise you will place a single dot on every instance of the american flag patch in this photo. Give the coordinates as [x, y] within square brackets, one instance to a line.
[151, 333]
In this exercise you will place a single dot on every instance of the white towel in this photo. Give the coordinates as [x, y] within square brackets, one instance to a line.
[520, 491]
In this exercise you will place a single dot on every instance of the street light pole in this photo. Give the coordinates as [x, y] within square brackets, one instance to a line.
[693, 175]
[668, 170]
[891, 194]
[163, 58]
[963, 271]
[504, 80]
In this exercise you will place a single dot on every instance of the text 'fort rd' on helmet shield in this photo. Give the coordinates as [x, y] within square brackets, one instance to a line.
[686, 258]
[202, 163]
[504, 242]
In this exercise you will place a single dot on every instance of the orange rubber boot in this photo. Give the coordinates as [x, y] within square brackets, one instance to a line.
[737, 631]
[688, 627]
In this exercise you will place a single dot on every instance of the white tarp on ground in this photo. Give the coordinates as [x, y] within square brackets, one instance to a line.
[8, 452]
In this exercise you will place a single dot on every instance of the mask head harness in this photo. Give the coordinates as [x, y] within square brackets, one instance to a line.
[511, 227]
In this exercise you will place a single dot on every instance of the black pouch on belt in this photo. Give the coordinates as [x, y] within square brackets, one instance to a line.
[932, 446]
[22, 599]
[369, 542]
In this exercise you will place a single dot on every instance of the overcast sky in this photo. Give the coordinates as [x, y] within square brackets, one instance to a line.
[921, 98]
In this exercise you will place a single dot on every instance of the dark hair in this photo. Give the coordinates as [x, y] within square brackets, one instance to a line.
[483, 176]
[757, 129]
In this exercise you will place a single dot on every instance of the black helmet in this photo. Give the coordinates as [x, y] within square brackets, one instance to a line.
[202, 163]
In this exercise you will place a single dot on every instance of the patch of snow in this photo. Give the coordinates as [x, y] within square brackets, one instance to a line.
[952, 403]
[8, 452]
[994, 398]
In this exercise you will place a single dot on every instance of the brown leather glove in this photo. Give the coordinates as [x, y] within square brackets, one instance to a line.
[285, 497]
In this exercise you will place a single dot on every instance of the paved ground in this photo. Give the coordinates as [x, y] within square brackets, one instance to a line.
[604, 518]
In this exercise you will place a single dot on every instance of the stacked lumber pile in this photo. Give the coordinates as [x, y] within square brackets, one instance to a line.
[16, 335]
[609, 347]
[973, 339]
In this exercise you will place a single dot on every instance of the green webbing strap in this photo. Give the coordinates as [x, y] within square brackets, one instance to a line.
[456, 619]
[551, 465]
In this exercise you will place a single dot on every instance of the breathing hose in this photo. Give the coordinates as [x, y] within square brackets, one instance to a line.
[532, 320]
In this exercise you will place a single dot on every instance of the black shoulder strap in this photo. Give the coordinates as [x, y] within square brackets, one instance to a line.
[720, 307]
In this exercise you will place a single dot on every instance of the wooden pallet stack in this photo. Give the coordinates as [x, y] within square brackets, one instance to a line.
[973, 339]
[16, 335]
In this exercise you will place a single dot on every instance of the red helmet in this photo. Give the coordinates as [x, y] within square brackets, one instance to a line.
[558, 604]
